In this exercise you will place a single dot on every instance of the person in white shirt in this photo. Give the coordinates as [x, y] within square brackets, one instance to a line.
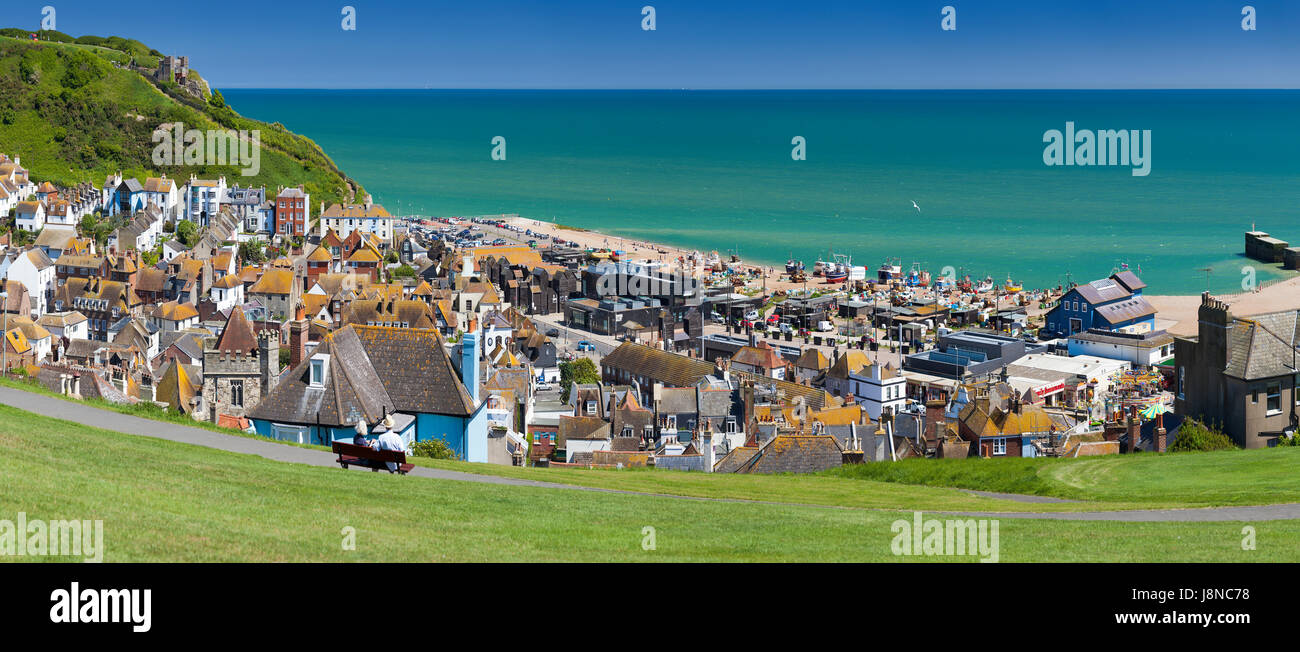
[388, 440]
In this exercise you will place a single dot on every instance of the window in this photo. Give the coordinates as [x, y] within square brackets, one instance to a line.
[1182, 376]
[670, 422]
[999, 446]
[627, 431]
[591, 407]
[237, 393]
[319, 370]
[1274, 399]
[1085, 307]
[731, 425]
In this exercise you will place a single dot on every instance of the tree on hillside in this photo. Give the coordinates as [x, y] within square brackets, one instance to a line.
[582, 371]
[186, 232]
[405, 271]
[252, 252]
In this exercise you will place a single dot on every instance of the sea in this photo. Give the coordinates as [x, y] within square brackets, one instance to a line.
[935, 179]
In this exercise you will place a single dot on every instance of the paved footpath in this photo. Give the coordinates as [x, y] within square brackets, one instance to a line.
[82, 413]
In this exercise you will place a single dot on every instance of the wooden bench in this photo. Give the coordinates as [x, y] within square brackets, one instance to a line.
[354, 455]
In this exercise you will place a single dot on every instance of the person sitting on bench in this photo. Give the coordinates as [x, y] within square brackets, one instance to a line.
[388, 440]
[360, 438]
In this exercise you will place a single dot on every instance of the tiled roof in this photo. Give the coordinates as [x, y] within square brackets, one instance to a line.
[238, 334]
[582, 428]
[353, 389]
[274, 281]
[320, 254]
[675, 370]
[795, 454]
[849, 362]
[175, 311]
[761, 356]
[416, 369]
[1262, 346]
[814, 359]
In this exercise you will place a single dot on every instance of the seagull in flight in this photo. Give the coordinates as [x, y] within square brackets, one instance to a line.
[918, 208]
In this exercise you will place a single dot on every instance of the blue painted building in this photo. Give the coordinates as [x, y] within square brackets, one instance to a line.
[1114, 303]
[364, 373]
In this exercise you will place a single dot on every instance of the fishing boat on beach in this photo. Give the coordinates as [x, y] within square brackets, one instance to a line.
[917, 277]
[891, 270]
[838, 271]
[793, 265]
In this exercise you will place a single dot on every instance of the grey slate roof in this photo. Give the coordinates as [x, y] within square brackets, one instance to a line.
[1134, 308]
[1263, 346]
[352, 391]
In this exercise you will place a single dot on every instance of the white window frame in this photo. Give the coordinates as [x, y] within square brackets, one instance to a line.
[1000, 446]
[1269, 395]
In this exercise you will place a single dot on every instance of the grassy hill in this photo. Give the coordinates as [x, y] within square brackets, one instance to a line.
[74, 110]
[1234, 477]
[165, 501]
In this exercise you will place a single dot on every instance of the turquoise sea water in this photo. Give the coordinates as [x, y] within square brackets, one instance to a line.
[713, 170]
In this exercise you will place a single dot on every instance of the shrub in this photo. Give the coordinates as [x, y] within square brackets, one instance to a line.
[436, 449]
[1193, 435]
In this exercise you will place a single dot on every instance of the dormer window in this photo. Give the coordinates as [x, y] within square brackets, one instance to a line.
[319, 369]
[591, 407]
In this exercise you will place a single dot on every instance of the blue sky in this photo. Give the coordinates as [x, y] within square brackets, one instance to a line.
[707, 43]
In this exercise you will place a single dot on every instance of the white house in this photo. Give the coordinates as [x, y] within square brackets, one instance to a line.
[228, 292]
[174, 316]
[36, 271]
[202, 198]
[30, 216]
[1139, 349]
[879, 388]
[36, 335]
[367, 217]
[70, 324]
[163, 193]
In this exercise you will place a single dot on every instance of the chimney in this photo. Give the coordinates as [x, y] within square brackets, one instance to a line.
[1214, 324]
[469, 364]
[297, 336]
[268, 352]
[1161, 434]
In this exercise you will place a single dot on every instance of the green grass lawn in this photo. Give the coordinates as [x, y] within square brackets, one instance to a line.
[1141, 481]
[1236, 477]
[165, 501]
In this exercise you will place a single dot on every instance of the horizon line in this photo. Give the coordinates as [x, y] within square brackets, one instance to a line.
[750, 90]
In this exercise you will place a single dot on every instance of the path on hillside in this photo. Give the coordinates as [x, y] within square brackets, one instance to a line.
[89, 415]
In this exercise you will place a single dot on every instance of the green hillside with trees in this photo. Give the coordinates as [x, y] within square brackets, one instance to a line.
[81, 109]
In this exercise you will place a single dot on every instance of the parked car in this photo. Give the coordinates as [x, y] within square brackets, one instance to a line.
[584, 345]
[752, 315]
[786, 327]
[543, 386]
[554, 332]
